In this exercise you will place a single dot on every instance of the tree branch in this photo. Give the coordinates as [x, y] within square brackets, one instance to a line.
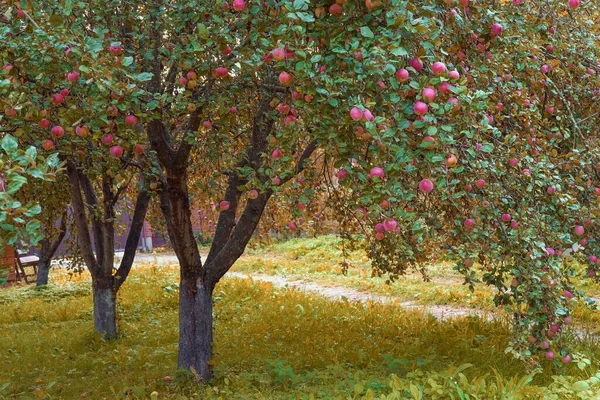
[83, 236]
[135, 230]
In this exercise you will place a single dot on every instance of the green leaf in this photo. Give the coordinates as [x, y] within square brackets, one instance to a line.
[143, 77]
[9, 143]
[127, 61]
[399, 52]
[366, 32]
[487, 148]
[93, 45]
[34, 210]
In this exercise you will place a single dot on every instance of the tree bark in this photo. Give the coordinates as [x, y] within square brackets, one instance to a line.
[105, 308]
[195, 327]
[48, 250]
[43, 272]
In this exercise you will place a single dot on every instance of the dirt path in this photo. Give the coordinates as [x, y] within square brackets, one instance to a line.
[336, 293]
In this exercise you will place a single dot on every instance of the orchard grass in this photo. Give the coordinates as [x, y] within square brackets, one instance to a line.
[270, 344]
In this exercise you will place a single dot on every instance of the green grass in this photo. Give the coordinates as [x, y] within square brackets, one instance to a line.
[269, 344]
[319, 259]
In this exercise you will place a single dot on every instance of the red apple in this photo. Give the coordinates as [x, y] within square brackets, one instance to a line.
[425, 185]
[131, 120]
[116, 151]
[402, 75]
[57, 132]
[73, 76]
[286, 79]
[47, 144]
[239, 5]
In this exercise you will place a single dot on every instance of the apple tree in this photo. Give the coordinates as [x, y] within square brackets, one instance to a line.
[460, 125]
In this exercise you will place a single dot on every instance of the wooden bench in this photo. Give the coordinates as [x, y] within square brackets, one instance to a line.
[22, 261]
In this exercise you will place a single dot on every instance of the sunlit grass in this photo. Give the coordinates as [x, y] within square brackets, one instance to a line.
[269, 344]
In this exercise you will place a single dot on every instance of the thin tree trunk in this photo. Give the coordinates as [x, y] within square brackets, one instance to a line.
[43, 272]
[48, 250]
[105, 308]
[195, 327]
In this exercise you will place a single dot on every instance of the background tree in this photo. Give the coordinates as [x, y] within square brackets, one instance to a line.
[467, 126]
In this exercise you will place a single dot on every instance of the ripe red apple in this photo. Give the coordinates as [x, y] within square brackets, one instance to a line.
[468, 223]
[454, 75]
[356, 114]
[138, 149]
[286, 79]
[300, 206]
[10, 112]
[224, 205]
[73, 76]
[549, 355]
[551, 190]
[425, 185]
[44, 123]
[579, 230]
[115, 50]
[131, 120]
[416, 63]
[278, 54]
[429, 94]
[402, 75]
[390, 224]
[335, 9]
[480, 183]
[191, 75]
[116, 151]
[438, 68]
[574, 3]
[445, 87]
[342, 173]
[276, 153]
[253, 194]
[207, 124]
[57, 98]
[513, 162]
[112, 111]
[82, 130]
[283, 108]
[496, 29]
[47, 144]
[239, 5]
[506, 217]
[292, 225]
[376, 172]
[107, 139]
[57, 132]
[367, 115]
[221, 72]
[420, 108]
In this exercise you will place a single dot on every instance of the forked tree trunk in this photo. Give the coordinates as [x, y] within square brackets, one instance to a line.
[105, 308]
[195, 328]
